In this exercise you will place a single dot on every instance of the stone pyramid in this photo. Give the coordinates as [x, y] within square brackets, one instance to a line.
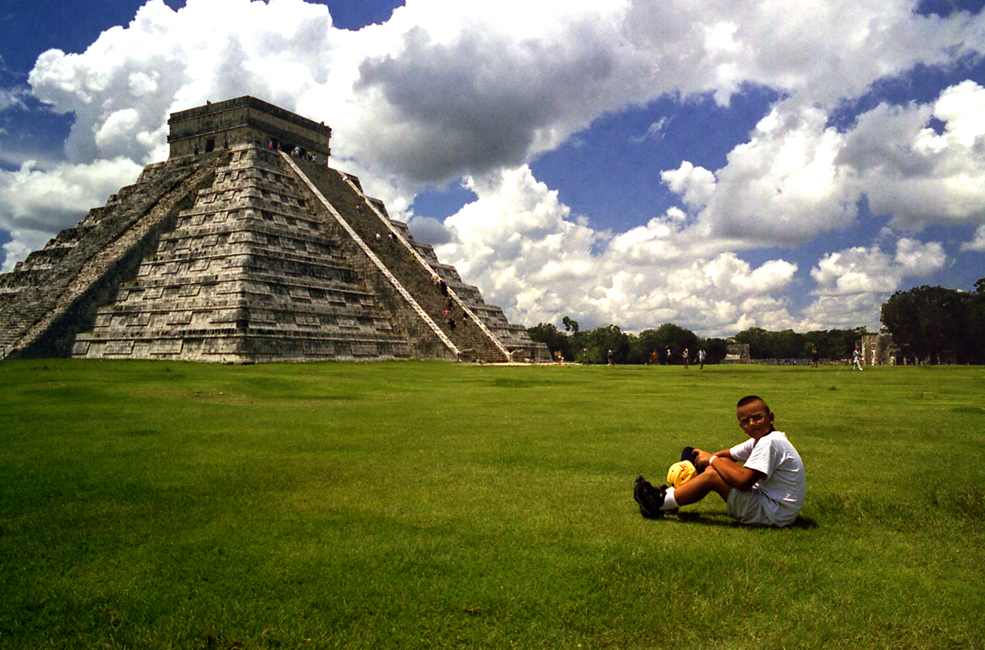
[246, 247]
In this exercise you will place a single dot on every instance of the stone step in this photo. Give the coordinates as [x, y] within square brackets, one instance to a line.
[245, 255]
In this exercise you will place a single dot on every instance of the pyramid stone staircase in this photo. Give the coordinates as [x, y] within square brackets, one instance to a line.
[246, 247]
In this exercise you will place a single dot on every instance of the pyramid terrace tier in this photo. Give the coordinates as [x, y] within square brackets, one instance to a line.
[242, 249]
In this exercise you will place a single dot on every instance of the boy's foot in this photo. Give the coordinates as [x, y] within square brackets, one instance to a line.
[649, 498]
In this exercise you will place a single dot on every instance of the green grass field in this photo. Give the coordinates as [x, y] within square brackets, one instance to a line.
[172, 505]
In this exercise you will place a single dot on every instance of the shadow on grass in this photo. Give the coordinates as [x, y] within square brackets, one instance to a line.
[725, 521]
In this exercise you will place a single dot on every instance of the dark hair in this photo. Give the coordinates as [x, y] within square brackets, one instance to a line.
[749, 399]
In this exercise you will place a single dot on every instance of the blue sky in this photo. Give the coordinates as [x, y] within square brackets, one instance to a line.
[713, 164]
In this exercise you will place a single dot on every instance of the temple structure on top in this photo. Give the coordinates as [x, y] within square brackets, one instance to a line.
[245, 246]
[245, 121]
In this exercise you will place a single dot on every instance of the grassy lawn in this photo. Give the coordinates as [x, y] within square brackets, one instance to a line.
[172, 505]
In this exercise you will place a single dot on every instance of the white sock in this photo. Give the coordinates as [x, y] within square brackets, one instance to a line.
[669, 502]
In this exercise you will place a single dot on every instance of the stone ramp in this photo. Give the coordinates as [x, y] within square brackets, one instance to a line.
[512, 337]
[470, 335]
[250, 274]
[247, 254]
[408, 316]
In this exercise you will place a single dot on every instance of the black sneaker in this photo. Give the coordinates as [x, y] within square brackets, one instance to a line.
[639, 496]
[649, 498]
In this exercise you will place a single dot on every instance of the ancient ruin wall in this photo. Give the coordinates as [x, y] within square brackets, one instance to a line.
[249, 274]
[54, 294]
[245, 254]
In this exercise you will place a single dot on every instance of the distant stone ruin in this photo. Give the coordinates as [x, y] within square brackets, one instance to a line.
[737, 352]
[246, 247]
[878, 349]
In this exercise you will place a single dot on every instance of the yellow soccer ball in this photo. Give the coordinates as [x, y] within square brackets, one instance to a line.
[680, 473]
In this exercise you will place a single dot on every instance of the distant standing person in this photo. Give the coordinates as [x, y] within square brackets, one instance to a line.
[701, 358]
[684, 355]
[815, 357]
[857, 359]
[611, 355]
[667, 354]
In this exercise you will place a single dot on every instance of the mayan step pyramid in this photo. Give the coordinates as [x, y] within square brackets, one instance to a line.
[245, 246]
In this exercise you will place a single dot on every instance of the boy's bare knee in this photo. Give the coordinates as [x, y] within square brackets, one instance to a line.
[711, 481]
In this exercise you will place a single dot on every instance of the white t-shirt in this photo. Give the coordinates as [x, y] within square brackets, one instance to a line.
[784, 485]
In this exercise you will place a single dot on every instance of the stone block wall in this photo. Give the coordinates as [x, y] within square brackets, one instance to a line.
[241, 121]
[53, 295]
[243, 255]
[355, 209]
[249, 274]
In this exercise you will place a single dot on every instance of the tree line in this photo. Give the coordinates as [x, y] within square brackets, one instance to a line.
[928, 324]
[938, 325]
[666, 344]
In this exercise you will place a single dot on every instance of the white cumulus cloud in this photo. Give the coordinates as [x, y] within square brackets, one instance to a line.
[866, 270]
[47, 200]
[977, 242]
[530, 255]
[853, 283]
[476, 90]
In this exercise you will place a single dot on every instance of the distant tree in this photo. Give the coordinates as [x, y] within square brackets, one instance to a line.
[763, 344]
[554, 339]
[716, 349]
[678, 338]
[831, 344]
[643, 345]
[787, 345]
[930, 323]
[975, 335]
[599, 340]
[579, 343]
[834, 344]
[756, 339]
[821, 340]
[840, 344]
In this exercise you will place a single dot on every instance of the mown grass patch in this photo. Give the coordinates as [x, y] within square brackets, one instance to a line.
[162, 504]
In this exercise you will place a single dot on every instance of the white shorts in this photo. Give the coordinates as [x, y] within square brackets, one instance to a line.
[749, 507]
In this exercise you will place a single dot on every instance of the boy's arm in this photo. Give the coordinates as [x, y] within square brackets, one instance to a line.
[704, 456]
[736, 475]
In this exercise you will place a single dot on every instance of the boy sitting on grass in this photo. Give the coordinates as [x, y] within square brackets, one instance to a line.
[767, 489]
